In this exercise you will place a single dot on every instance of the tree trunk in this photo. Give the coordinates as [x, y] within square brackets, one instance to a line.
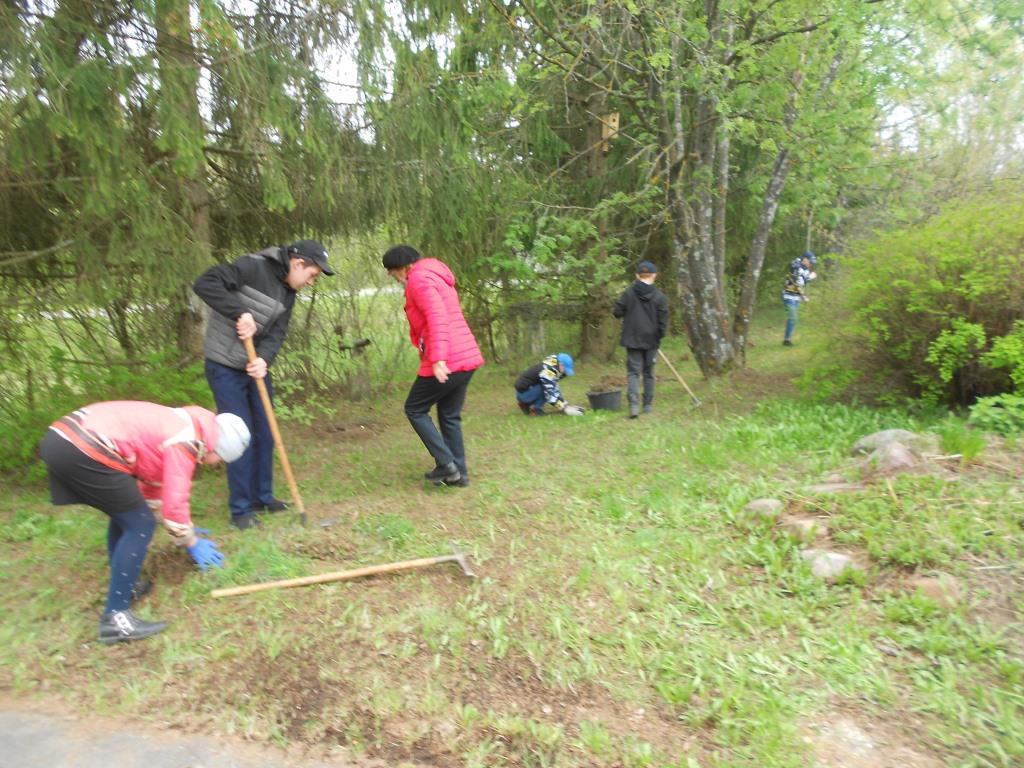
[692, 201]
[722, 175]
[755, 260]
[187, 186]
[595, 337]
[721, 198]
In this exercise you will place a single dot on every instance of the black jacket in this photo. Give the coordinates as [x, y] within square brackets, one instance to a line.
[644, 310]
[254, 283]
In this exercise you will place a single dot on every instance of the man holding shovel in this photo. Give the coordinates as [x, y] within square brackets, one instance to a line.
[253, 298]
[644, 312]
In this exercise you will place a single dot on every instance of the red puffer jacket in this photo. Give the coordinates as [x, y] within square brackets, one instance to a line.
[159, 446]
[436, 324]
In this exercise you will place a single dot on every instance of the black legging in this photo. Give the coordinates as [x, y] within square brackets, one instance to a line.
[128, 537]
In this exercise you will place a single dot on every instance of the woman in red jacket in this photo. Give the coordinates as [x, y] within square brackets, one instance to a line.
[130, 459]
[448, 356]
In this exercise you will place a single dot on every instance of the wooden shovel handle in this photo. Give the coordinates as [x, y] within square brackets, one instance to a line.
[261, 385]
[322, 578]
[681, 381]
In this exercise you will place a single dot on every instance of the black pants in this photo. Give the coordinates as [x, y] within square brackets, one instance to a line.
[78, 479]
[445, 446]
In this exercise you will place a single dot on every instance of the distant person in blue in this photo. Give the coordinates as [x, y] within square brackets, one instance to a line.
[793, 293]
[537, 386]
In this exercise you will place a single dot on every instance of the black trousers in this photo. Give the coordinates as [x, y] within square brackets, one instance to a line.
[445, 446]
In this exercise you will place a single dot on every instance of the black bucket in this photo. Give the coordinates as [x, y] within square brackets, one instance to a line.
[605, 401]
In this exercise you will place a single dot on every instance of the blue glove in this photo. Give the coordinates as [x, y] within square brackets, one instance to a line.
[206, 554]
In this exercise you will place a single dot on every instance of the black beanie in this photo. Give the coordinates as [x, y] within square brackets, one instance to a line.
[400, 256]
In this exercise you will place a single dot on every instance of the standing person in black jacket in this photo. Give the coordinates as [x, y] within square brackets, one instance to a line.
[644, 312]
[253, 299]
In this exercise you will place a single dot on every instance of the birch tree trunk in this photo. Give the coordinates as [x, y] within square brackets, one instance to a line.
[769, 208]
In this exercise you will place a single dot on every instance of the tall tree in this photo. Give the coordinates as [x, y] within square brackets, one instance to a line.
[140, 138]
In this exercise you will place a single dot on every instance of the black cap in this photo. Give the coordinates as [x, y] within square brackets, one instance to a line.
[311, 250]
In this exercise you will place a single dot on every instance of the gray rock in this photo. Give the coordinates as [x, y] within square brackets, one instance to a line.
[803, 528]
[942, 588]
[764, 509]
[891, 458]
[829, 565]
[876, 440]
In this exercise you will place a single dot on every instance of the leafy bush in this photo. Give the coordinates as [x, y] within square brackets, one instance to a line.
[938, 308]
[73, 385]
[1002, 414]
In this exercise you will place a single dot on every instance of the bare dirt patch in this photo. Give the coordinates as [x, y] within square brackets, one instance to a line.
[849, 740]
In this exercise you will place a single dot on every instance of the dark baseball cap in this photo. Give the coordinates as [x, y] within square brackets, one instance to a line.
[646, 268]
[311, 250]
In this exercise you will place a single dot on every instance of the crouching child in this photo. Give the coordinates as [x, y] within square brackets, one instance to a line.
[537, 386]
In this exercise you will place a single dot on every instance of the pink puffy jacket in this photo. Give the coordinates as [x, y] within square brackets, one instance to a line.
[436, 324]
[158, 445]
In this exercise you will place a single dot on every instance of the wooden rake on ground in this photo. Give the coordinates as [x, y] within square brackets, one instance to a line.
[355, 573]
[696, 400]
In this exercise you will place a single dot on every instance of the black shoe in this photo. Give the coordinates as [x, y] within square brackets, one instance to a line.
[142, 588]
[447, 474]
[124, 626]
[275, 505]
[245, 522]
[787, 343]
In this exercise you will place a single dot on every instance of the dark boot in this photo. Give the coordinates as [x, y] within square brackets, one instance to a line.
[274, 505]
[245, 522]
[124, 627]
[524, 408]
[447, 474]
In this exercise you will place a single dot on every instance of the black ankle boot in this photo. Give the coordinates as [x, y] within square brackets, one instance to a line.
[444, 474]
[124, 626]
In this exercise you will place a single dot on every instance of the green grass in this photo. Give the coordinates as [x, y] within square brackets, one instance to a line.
[626, 614]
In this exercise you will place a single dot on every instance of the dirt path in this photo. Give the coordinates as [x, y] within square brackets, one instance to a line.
[32, 737]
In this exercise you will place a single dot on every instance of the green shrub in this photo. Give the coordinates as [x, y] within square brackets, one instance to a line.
[937, 309]
[1008, 352]
[1002, 414]
[958, 438]
[155, 378]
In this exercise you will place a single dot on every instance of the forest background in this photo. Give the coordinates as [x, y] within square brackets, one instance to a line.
[539, 148]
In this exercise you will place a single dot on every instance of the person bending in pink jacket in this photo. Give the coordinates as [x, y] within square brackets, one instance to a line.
[130, 460]
[448, 356]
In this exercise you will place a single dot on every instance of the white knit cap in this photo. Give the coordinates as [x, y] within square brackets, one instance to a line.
[232, 437]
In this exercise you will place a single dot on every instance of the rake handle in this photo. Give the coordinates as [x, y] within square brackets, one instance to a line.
[261, 385]
[681, 381]
[323, 578]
